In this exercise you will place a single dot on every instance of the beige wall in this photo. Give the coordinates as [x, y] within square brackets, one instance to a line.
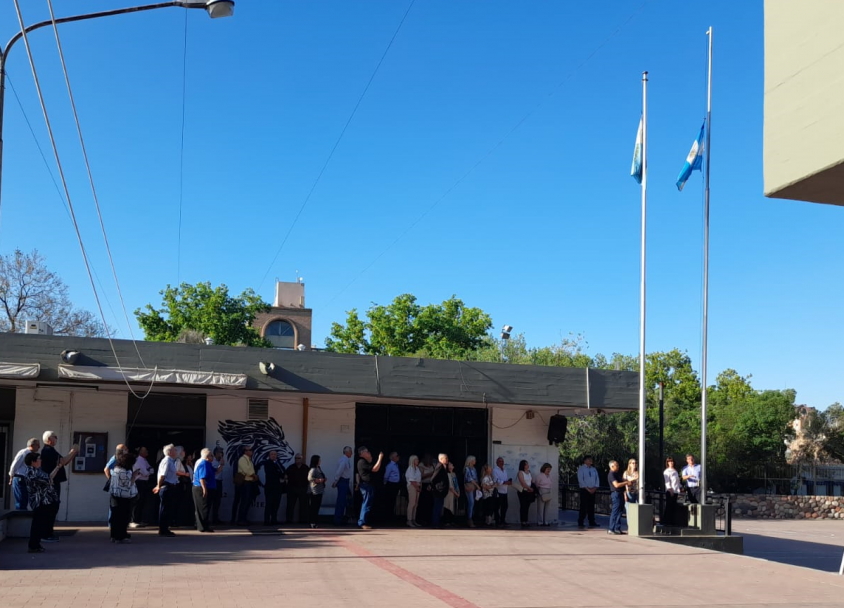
[804, 86]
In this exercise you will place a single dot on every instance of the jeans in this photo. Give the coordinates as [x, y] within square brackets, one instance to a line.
[436, 514]
[342, 500]
[615, 514]
[368, 493]
[630, 497]
[21, 497]
[694, 495]
[587, 507]
[470, 504]
[167, 496]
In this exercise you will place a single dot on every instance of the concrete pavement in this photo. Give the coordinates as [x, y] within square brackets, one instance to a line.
[455, 568]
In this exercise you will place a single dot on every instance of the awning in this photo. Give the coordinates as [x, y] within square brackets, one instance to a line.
[152, 376]
[19, 370]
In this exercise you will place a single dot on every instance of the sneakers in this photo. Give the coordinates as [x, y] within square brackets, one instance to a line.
[365, 527]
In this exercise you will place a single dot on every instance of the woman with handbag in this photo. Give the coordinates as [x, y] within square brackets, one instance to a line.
[471, 485]
[487, 506]
[316, 489]
[123, 494]
[526, 492]
[631, 475]
[543, 499]
[450, 503]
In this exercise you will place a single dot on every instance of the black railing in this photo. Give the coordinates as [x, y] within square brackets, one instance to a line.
[570, 500]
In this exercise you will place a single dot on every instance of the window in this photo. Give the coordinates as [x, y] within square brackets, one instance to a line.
[259, 409]
[281, 334]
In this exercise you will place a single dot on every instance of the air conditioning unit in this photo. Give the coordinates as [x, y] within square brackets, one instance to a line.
[38, 327]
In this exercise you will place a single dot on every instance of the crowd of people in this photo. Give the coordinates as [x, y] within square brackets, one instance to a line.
[184, 489]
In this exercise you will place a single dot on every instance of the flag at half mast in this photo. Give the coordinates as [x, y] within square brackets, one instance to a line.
[694, 160]
[636, 169]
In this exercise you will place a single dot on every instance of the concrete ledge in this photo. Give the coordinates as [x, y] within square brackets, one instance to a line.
[640, 520]
[15, 524]
[724, 544]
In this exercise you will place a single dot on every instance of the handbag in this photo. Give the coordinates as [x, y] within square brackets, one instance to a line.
[239, 479]
[479, 495]
[545, 494]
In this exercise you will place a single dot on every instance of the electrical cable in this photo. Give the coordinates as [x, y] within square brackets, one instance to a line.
[182, 153]
[495, 147]
[336, 143]
[64, 181]
[93, 188]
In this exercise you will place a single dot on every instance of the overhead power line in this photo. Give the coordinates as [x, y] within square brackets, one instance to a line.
[490, 152]
[336, 143]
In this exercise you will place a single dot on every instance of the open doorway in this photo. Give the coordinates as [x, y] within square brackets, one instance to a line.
[166, 418]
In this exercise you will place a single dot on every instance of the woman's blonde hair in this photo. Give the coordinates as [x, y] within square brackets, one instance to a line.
[410, 460]
[470, 461]
[631, 464]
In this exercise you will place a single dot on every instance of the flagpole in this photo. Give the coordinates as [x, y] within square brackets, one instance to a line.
[642, 387]
[703, 400]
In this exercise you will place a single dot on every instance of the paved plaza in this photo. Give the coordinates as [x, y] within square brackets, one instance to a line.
[456, 568]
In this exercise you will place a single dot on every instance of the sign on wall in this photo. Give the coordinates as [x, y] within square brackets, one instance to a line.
[92, 452]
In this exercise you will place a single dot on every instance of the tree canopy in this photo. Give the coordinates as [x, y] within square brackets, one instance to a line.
[29, 291]
[211, 311]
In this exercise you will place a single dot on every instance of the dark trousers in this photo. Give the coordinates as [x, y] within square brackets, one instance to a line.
[437, 511]
[49, 527]
[423, 510]
[214, 498]
[19, 490]
[669, 515]
[617, 500]
[272, 502]
[249, 490]
[525, 500]
[295, 496]
[314, 504]
[167, 499]
[587, 507]
[501, 506]
[40, 516]
[202, 509]
[694, 495]
[388, 508]
[139, 510]
[121, 513]
[342, 500]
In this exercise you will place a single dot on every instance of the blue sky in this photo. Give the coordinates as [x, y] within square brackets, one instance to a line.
[543, 234]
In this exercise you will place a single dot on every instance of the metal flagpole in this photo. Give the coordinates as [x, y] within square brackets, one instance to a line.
[642, 386]
[705, 275]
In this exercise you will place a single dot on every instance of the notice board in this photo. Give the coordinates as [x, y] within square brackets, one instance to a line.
[92, 452]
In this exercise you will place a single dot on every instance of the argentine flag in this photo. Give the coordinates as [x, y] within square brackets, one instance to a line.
[693, 161]
[636, 169]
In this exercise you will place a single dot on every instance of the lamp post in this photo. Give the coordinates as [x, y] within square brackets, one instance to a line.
[505, 336]
[214, 8]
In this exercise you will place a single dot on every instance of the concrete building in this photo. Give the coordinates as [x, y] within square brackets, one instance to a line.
[289, 401]
[288, 324]
[804, 85]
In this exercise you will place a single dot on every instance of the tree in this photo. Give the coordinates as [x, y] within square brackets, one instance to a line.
[450, 330]
[29, 291]
[209, 311]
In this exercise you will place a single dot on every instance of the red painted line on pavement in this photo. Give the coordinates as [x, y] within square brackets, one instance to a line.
[432, 589]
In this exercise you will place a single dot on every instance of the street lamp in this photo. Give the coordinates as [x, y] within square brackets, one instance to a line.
[214, 8]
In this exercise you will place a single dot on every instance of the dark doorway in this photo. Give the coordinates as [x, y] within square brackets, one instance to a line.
[419, 430]
[166, 418]
[7, 418]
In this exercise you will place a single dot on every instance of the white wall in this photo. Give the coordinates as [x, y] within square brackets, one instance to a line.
[331, 426]
[66, 411]
[523, 439]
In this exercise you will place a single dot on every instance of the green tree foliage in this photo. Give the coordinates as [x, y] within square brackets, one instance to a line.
[209, 310]
[450, 330]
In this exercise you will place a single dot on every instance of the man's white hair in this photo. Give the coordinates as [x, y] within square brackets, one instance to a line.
[47, 436]
[168, 448]
[204, 453]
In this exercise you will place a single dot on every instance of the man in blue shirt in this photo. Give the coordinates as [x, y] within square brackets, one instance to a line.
[588, 480]
[204, 483]
[167, 490]
[691, 475]
[392, 483]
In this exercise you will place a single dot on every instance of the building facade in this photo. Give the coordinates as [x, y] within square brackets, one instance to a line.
[289, 401]
[288, 323]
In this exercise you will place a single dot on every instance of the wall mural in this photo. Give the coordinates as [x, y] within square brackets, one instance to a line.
[263, 436]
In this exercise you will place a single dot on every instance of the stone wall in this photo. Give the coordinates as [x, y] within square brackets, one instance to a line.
[772, 506]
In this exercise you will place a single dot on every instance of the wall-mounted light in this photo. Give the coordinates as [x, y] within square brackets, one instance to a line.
[530, 414]
[70, 356]
[505, 332]
[266, 367]
[209, 341]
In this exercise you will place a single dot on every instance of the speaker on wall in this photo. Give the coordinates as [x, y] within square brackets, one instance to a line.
[557, 429]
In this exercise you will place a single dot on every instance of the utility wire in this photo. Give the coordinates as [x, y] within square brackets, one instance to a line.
[495, 147]
[62, 176]
[336, 143]
[182, 153]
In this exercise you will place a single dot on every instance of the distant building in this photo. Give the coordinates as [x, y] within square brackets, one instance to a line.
[804, 86]
[289, 323]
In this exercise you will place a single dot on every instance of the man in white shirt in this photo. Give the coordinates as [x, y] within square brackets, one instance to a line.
[17, 474]
[502, 483]
[588, 480]
[342, 480]
[144, 485]
[166, 490]
[691, 475]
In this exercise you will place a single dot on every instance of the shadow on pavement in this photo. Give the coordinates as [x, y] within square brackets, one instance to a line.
[818, 556]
